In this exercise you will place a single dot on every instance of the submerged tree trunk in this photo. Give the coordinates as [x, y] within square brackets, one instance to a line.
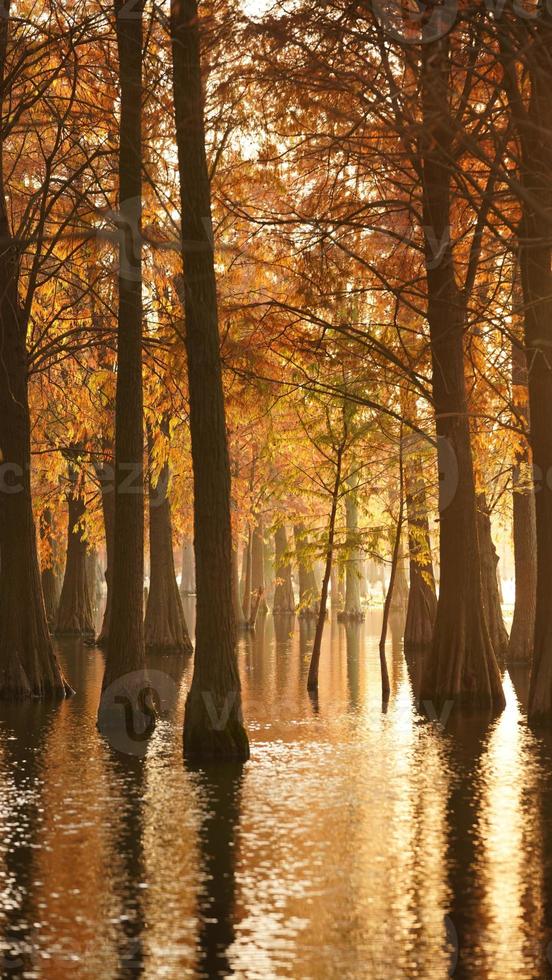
[105, 476]
[520, 647]
[258, 585]
[399, 592]
[353, 606]
[75, 616]
[94, 579]
[187, 577]
[284, 600]
[337, 586]
[236, 599]
[28, 665]
[165, 629]
[213, 725]
[533, 121]
[461, 665]
[422, 598]
[125, 659]
[308, 589]
[388, 602]
[246, 601]
[312, 680]
[489, 581]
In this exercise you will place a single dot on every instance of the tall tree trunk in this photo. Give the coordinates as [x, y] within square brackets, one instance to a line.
[534, 126]
[489, 580]
[28, 665]
[461, 665]
[75, 615]
[165, 629]
[312, 680]
[308, 588]
[94, 579]
[520, 647]
[105, 476]
[422, 598]
[213, 725]
[247, 589]
[236, 598]
[258, 584]
[187, 577]
[284, 600]
[50, 570]
[353, 607]
[337, 585]
[125, 659]
[399, 592]
[258, 562]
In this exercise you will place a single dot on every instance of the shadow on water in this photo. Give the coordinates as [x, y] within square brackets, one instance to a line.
[24, 732]
[353, 844]
[220, 788]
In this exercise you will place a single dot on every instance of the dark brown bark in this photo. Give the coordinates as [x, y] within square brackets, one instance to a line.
[308, 588]
[520, 647]
[534, 129]
[187, 577]
[461, 665]
[75, 615]
[284, 599]
[125, 658]
[165, 629]
[28, 665]
[213, 725]
[489, 581]
[422, 598]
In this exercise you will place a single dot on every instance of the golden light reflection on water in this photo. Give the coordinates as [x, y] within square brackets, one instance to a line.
[509, 873]
[356, 843]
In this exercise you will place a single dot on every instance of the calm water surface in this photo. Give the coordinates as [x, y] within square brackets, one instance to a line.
[354, 844]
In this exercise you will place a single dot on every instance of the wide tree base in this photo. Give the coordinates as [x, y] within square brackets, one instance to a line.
[420, 619]
[17, 685]
[213, 729]
[461, 667]
[520, 646]
[308, 613]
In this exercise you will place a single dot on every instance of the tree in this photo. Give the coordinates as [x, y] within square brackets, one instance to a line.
[531, 114]
[284, 599]
[215, 692]
[125, 649]
[28, 665]
[462, 663]
[165, 625]
[520, 647]
[74, 615]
